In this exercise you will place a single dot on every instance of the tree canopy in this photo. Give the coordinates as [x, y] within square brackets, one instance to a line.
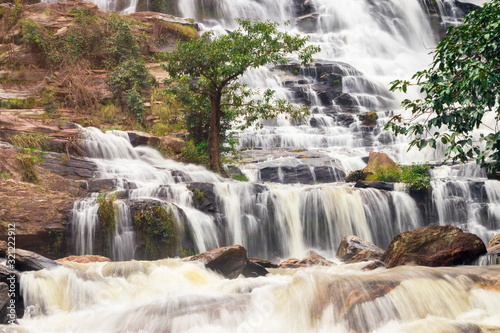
[461, 91]
[204, 75]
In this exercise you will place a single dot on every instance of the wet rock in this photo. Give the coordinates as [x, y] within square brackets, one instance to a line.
[345, 101]
[143, 139]
[253, 269]
[263, 262]
[72, 167]
[229, 261]
[355, 249]
[99, 185]
[290, 263]
[307, 23]
[326, 174]
[433, 246]
[376, 184]
[494, 243]
[26, 260]
[466, 7]
[289, 174]
[85, 259]
[7, 308]
[204, 196]
[303, 7]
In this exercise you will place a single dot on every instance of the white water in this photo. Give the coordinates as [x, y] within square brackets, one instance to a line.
[172, 296]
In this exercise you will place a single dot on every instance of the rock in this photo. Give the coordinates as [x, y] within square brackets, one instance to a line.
[229, 261]
[307, 23]
[253, 269]
[138, 138]
[376, 184]
[433, 246]
[303, 7]
[99, 185]
[378, 161]
[493, 243]
[263, 262]
[85, 259]
[26, 260]
[290, 263]
[72, 167]
[204, 196]
[290, 174]
[7, 315]
[173, 143]
[313, 259]
[354, 249]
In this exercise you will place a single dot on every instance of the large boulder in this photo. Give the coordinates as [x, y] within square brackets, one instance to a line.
[354, 249]
[378, 161]
[433, 246]
[229, 261]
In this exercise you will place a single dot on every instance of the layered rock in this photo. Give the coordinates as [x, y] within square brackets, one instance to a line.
[313, 259]
[85, 259]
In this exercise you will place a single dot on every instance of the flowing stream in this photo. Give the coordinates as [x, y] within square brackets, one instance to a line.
[297, 200]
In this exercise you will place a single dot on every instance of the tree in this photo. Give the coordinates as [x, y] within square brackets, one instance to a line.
[460, 88]
[207, 70]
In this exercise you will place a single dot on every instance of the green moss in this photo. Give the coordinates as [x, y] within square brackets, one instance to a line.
[241, 178]
[56, 242]
[370, 118]
[199, 196]
[156, 228]
[107, 218]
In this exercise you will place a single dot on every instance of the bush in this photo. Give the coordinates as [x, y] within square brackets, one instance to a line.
[197, 154]
[156, 228]
[107, 217]
[415, 175]
[29, 158]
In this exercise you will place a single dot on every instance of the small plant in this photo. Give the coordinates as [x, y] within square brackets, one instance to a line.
[388, 174]
[194, 154]
[199, 196]
[29, 158]
[240, 177]
[5, 175]
[416, 176]
[29, 140]
[370, 118]
[107, 217]
[156, 228]
[57, 239]
[355, 176]
[18, 103]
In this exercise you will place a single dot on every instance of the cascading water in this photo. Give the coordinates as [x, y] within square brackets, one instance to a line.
[365, 45]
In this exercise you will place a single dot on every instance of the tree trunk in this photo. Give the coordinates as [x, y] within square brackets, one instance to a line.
[213, 141]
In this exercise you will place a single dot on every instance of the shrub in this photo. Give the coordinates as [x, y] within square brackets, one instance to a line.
[29, 140]
[192, 153]
[107, 217]
[29, 158]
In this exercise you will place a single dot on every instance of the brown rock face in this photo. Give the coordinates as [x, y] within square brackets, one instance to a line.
[84, 259]
[228, 261]
[433, 246]
[378, 161]
[174, 143]
[354, 249]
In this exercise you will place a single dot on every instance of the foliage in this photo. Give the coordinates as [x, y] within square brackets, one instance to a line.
[163, 6]
[18, 103]
[29, 140]
[57, 239]
[370, 118]
[107, 216]
[156, 228]
[415, 175]
[192, 153]
[206, 71]
[355, 176]
[5, 175]
[461, 91]
[240, 177]
[198, 196]
[29, 158]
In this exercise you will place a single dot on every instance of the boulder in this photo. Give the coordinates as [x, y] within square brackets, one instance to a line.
[138, 138]
[307, 23]
[26, 260]
[85, 259]
[313, 259]
[253, 269]
[229, 261]
[354, 249]
[433, 246]
[303, 7]
[6, 315]
[204, 197]
[263, 262]
[378, 161]
[494, 243]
